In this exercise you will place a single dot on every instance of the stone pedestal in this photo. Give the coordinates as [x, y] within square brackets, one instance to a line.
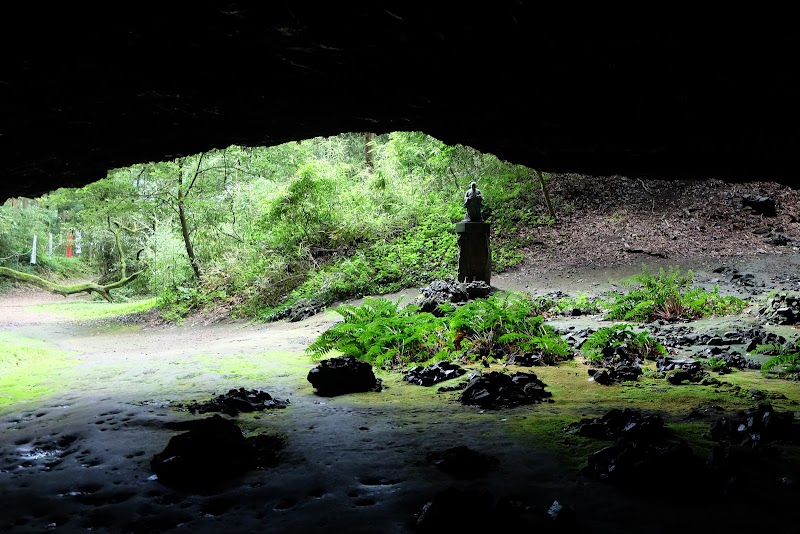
[474, 254]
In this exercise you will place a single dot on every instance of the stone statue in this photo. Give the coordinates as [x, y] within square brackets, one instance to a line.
[473, 202]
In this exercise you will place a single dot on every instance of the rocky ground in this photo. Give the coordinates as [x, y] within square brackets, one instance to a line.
[89, 447]
[608, 227]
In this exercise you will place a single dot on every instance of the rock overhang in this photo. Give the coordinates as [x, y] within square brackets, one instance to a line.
[85, 90]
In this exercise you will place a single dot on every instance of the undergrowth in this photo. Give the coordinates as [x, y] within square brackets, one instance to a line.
[785, 362]
[385, 334]
[607, 340]
[669, 295]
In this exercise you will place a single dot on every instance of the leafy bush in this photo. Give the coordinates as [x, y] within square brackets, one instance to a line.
[177, 302]
[640, 344]
[718, 364]
[784, 363]
[509, 324]
[382, 333]
[582, 301]
[60, 268]
[418, 256]
[670, 296]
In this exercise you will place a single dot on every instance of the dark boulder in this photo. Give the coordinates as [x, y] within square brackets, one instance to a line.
[756, 426]
[760, 205]
[478, 289]
[441, 292]
[647, 464]
[344, 374]
[433, 374]
[463, 463]
[213, 450]
[616, 423]
[300, 310]
[497, 389]
[236, 401]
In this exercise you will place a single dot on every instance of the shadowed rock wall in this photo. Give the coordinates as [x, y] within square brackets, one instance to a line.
[86, 88]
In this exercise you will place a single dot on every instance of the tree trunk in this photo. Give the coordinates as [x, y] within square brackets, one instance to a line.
[58, 289]
[122, 263]
[546, 195]
[369, 146]
[187, 241]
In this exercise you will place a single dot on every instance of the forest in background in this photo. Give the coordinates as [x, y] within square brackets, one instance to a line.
[253, 230]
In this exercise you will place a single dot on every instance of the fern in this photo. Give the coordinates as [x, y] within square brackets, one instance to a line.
[783, 365]
[548, 344]
[640, 344]
[669, 295]
[382, 333]
[770, 349]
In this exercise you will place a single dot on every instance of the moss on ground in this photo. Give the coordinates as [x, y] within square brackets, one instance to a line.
[257, 368]
[576, 398]
[30, 369]
[82, 309]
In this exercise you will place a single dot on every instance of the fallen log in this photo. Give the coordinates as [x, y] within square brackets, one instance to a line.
[58, 289]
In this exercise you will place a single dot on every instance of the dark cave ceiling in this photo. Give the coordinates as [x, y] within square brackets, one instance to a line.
[84, 89]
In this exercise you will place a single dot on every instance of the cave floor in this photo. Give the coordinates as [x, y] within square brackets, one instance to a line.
[79, 427]
[76, 449]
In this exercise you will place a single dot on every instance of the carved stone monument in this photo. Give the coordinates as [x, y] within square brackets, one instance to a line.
[474, 254]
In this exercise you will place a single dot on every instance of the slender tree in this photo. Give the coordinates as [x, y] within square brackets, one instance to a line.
[181, 197]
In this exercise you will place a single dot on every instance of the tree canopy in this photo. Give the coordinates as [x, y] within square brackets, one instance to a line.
[256, 228]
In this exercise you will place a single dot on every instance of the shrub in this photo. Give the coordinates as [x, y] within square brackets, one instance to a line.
[509, 324]
[177, 302]
[670, 296]
[718, 364]
[784, 363]
[637, 344]
[382, 333]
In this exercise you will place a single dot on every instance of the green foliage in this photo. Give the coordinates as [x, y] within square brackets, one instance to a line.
[640, 344]
[582, 301]
[268, 226]
[782, 365]
[177, 302]
[505, 254]
[718, 364]
[772, 349]
[382, 333]
[513, 199]
[785, 361]
[18, 224]
[424, 253]
[508, 325]
[495, 315]
[670, 296]
[61, 268]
